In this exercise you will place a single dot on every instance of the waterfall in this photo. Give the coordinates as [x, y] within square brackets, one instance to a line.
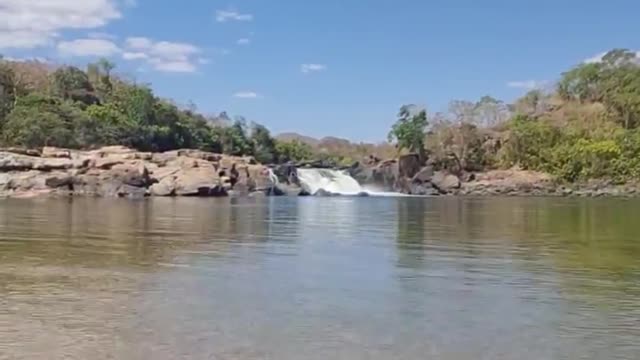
[334, 182]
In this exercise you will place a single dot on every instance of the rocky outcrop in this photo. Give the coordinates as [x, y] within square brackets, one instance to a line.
[117, 171]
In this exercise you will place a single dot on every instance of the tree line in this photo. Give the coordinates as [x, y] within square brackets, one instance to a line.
[586, 127]
[83, 109]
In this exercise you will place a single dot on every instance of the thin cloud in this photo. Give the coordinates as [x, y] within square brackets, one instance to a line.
[246, 95]
[244, 41]
[88, 47]
[232, 15]
[528, 84]
[309, 68]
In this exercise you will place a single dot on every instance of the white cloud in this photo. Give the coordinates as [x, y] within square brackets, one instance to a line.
[308, 68]
[138, 43]
[232, 15]
[244, 41]
[163, 55]
[32, 23]
[88, 47]
[134, 56]
[598, 57]
[204, 61]
[246, 95]
[174, 66]
[528, 84]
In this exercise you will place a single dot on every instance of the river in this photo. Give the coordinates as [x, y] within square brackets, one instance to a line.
[320, 278]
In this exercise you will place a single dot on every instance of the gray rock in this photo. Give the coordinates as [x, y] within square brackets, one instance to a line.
[424, 175]
[445, 182]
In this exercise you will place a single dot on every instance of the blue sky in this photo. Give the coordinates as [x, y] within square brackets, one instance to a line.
[332, 67]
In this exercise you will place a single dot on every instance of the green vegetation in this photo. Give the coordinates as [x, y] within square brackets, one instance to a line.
[588, 127]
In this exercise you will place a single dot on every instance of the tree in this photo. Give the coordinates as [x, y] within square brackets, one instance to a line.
[264, 146]
[293, 151]
[409, 131]
[234, 139]
[490, 112]
[71, 83]
[7, 91]
[40, 120]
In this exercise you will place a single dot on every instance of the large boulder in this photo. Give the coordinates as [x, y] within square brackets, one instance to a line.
[386, 174]
[409, 165]
[200, 181]
[132, 173]
[445, 182]
[424, 175]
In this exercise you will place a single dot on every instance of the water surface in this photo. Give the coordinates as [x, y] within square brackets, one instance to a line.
[320, 278]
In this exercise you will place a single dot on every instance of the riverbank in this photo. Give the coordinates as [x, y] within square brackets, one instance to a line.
[117, 171]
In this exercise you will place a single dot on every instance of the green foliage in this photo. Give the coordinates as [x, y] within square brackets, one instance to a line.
[235, 141]
[42, 121]
[7, 91]
[529, 143]
[293, 151]
[264, 146]
[71, 83]
[409, 131]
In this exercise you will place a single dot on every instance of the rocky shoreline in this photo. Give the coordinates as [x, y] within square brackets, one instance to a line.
[117, 171]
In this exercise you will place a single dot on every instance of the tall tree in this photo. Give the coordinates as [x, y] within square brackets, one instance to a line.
[410, 128]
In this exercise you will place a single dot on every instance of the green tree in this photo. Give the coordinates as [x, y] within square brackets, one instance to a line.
[264, 146]
[409, 131]
[42, 121]
[293, 151]
[71, 83]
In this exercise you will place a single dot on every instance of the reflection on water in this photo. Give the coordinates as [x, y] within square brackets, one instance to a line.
[320, 278]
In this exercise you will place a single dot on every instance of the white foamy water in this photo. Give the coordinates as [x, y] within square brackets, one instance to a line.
[335, 182]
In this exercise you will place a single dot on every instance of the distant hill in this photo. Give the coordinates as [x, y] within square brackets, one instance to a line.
[297, 137]
[342, 147]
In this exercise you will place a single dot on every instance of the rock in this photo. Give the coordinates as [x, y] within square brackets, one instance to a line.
[198, 182]
[166, 187]
[285, 172]
[16, 162]
[21, 151]
[50, 164]
[325, 193]
[386, 175]
[54, 152]
[132, 174]
[362, 173]
[409, 165]
[424, 175]
[132, 192]
[422, 189]
[445, 183]
[108, 162]
[59, 181]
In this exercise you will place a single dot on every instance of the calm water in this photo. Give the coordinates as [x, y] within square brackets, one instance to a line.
[320, 278]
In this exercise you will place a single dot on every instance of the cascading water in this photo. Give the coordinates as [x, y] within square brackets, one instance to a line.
[334, 182]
